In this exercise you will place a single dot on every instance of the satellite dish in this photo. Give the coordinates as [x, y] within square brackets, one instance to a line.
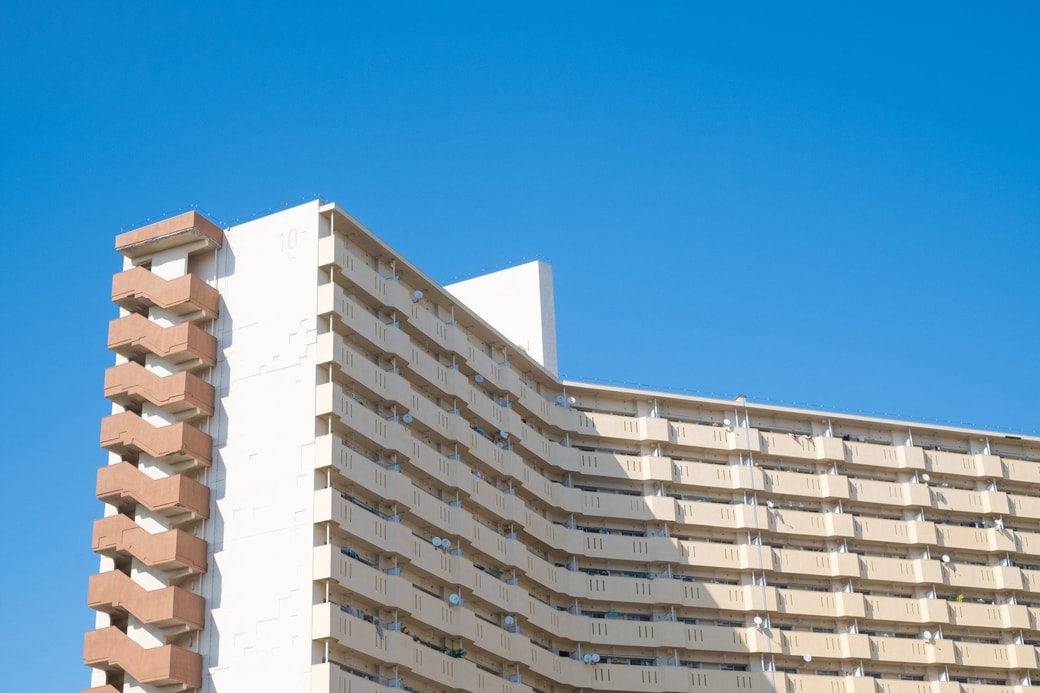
[945, 558]
[571, 401]
[758, 620]
[925, 477]
[807, 657]
[587, 659]
[417, 295]
[504, 434]
[726, 422]
[595, 657]
[560, 400]
[770, 504]
[454, 599]
[478, 378]
[438, 542]
[407, 418]
[446, 543]
[927, 635]
[510, 620]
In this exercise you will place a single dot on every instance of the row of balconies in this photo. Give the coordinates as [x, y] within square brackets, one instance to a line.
[817, 487]
[509, 508]
[329, 678]
[181, 446]
[333, 251]
[569, 585]
[510, 649]
[705, 554]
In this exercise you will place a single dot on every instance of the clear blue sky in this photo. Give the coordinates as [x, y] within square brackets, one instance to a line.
[815, 205]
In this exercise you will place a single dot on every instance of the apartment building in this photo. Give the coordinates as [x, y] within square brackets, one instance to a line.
[328, 473]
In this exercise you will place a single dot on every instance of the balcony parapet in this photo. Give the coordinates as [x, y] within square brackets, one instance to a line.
[177, 496]
[170, 665]
[135, 336]
[170, 606]
[179, 444]
[138, 289]
[174, 550]
[183, 393]
[183, 229]
[101, 689]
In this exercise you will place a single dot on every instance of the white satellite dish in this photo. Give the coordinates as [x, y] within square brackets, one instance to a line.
[446, 543]
[478, 378]
[945, 558]
[927, 635]
[560, 400]
[807, 657]
[454, 599]
[510, 620]
[504, 434]
[438, 542]
[726, 422]
[407, 418]
[758, 620]
[770, 504]
[417, 295]
[925, 477]
[571, 401]
[595, 657]
[587, 659]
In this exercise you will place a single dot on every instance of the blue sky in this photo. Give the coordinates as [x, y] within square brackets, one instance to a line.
[831, 206]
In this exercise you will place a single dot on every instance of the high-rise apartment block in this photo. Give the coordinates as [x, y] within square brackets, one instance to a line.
[327, 473]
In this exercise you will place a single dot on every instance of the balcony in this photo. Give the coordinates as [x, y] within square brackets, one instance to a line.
[166, 666]
[183, 394]
[174, 550]
[190, 228]
[167, 607]
[135, 336]
[179, 444]
[178, 497]
[101, 689]
[138, 289]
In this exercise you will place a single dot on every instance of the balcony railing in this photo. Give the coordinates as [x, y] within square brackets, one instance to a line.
[135, 336]
[174, 550]
[129, 435]
[169, 606]
[178, 496]
[169, 665]
[138, 289]
[183, 394]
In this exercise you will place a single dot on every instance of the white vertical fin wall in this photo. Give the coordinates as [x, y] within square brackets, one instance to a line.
[518, 302]
[261, 530]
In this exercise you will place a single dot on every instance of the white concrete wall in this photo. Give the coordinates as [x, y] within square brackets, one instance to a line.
[518, 302]
[258, 588]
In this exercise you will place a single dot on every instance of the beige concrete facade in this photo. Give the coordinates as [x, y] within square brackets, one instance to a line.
[480, 525]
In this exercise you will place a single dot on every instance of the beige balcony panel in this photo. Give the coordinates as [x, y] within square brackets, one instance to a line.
[183, 229]
[170, 606]
[167, 666]
[174, 550]
[101, 689]
[332, 678]
[138, 289]
[788, 445]
[178, 444]
[178, 496]
[183, 394]
[870, 455]
[135, 336]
